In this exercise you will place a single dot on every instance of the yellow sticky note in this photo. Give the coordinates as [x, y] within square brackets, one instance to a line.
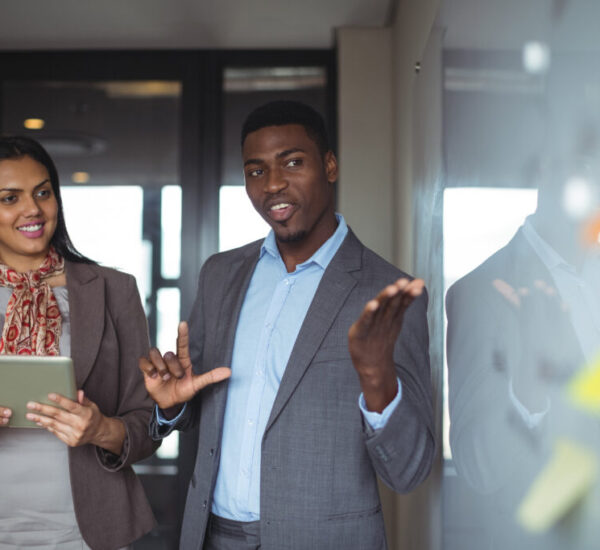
[566, 478]
[584, 388]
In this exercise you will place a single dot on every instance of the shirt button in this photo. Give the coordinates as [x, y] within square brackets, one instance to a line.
[250, 422]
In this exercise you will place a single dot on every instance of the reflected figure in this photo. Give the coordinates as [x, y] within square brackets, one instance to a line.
[522, 325]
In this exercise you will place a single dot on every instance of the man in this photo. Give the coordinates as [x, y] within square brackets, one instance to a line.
[287, 457]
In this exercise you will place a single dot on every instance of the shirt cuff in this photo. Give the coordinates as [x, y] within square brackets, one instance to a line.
[378, 420]
[162, 421]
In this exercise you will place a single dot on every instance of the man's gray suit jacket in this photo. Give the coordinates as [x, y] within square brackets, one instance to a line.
[319, 459]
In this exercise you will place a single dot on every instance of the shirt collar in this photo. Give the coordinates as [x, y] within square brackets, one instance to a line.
[550, 257]
[322, 256]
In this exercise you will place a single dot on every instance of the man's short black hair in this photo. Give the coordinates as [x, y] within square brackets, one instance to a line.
[280, 113]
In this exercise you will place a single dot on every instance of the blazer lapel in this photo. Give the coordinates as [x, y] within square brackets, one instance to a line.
[86, 310]
[334, 288]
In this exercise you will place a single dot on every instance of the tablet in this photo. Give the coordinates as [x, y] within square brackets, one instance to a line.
[26, 378]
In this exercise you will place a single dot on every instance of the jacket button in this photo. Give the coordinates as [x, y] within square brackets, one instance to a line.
[204, 504]
[212, 452]
[194, 481]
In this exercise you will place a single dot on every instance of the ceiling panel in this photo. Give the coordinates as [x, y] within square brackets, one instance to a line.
[119, 24]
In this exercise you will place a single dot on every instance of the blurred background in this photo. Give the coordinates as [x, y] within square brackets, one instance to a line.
[453, 121]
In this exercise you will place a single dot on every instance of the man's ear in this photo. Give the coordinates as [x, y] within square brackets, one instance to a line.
[331, 167]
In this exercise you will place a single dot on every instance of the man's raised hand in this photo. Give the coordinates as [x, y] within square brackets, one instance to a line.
[169, 378]
[372, 337]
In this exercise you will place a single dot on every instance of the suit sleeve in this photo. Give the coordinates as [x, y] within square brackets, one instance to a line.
[135, 405]
[402, 452]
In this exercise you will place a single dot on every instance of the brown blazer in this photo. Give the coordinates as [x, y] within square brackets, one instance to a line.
[108, 335]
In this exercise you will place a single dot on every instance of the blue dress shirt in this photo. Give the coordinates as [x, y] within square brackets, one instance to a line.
[270, 319]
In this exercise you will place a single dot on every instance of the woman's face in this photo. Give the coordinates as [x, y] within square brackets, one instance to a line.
[28, 213]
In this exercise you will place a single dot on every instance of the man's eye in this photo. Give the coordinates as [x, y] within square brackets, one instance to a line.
[294, 162]
[254, 173]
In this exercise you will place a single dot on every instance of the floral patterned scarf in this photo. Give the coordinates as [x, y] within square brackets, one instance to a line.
[32, 324]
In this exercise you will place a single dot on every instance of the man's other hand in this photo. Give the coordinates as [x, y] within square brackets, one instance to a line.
[372, 337]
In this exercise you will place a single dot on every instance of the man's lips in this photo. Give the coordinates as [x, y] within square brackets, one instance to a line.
[280, 211]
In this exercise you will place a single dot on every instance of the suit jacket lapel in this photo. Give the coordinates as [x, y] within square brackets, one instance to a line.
[86, 310]
[334, 288]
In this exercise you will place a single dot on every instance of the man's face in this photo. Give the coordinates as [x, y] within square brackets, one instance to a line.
[290, 184]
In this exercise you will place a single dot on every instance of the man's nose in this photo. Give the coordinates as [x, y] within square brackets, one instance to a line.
[275, 181]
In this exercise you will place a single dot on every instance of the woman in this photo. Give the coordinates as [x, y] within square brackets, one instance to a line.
[70, 485]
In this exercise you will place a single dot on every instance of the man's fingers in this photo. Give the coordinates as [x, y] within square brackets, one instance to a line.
[183, 345]
[147, 368]
[388, 306]
[411, 291]
[173, 364]
[362, 325]
[159, 364]
[211, 377]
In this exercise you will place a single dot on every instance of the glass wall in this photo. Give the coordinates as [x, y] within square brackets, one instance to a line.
[520, 129]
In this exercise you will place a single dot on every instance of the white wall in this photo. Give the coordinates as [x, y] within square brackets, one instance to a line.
[365, 135]
[376, 83]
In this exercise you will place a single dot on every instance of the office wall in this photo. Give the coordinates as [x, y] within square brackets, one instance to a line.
[365, 135]
[376, 86]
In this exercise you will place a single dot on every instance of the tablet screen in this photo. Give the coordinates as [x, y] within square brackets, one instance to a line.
[25, 378]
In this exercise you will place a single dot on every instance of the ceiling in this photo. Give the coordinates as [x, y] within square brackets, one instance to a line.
[567, 25]
[262, 24]
[157, 24]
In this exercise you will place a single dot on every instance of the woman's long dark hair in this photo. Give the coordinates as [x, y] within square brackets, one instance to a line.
[15, 147]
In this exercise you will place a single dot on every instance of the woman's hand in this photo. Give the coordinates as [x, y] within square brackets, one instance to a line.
[78, 422]
[5, 415]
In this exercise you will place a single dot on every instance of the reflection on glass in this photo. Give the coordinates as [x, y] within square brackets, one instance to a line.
[477, 222]
[522, 110]
[239, 223]
[170, 226]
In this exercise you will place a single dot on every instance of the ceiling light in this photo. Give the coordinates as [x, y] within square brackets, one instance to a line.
[34, 123]
[80, 177]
